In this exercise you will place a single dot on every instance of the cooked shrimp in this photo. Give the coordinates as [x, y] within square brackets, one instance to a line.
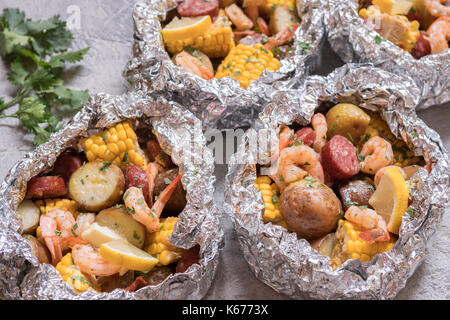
[136, 205]
[376, 229]
[57, 227]
[238, 17]
[295, 163]
[285, 136]
[251, 8]
[378, 154]
[281, 37]
[319, 124]
[152, 172]
[439, 34]
[90, 262]
[193, 65]
[438, 8]
[84, 220]
[380, 173]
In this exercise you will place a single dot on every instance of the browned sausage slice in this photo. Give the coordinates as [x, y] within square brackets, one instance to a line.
[135, 176]
[196, 8]
[189, 257]
[305, 136]
[421, 47]
[339, 159]
[45, 187]
[66, 164]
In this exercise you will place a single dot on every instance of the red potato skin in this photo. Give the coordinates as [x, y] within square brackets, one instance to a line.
[338, 158]
[45, 187]
[196, 8]
[305, 136]
[422, 47]
[66, 164]
[189, 257]
[135, 176]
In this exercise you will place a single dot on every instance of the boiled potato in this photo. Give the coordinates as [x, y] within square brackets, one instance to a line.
[347, 120]
[310, 208]
[97, 185]
[324, 245]
[118, 220]
[282, 18]
[29, 213]
[39, 249]
[204, 59]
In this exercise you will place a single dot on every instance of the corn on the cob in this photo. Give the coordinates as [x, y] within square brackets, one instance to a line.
[403, 156]
[271, 196]
[348, 245]
[66, 204]
[215, 43]
[159, 246]
[246, 63]
[72, 275]
[117, 144]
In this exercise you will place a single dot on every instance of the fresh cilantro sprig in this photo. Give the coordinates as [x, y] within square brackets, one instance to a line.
[36, 53]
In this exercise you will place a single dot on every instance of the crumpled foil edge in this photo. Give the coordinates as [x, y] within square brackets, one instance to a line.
[22, 277]
[289, 265]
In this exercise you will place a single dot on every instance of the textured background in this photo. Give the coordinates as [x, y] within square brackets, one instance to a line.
[106, 26]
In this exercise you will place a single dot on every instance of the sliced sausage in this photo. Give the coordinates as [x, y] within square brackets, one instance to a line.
[305, 136]
[356, 193]
[189, 257]
[135, 176]
[157, 154]
[177, 201]
[45, 187]
[66, 164]
[338, 158]
[196, 8]
[422, 47]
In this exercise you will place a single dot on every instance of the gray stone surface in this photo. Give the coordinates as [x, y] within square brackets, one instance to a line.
[106, 27]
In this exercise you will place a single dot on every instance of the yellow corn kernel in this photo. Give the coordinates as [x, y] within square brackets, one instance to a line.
[272, 212]
[65, 204]
[159, 246]
[117, 144]
[72, 275]
[242, 56]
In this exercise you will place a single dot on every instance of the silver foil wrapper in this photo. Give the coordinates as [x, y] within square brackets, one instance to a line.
[219, 103]
[21, 275]
[353, 41]
[287, 263]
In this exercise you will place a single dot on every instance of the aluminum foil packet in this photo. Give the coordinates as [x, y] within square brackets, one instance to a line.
[353, 41]
[288, 264]
[219, 103]
[180, 136]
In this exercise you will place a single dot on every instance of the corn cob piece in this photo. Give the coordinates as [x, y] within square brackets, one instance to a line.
[66, 204]
[117, 144]
[246, 63]
[271, 196]
[348, 245]
[159, 246]
[72, 275]
[215, 43]
[403, 156]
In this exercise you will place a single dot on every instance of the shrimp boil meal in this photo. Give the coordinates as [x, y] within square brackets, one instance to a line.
[228, 38]
[342, 184]
[421, 27]
[104, 213]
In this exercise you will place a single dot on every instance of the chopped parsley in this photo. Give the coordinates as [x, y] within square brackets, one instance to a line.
[167, 181]
[135, 235]
[410, 212]
[379, 39]
[275, 199]
[130, 210]
[195, 171]
[350, 137]
[106, 164]
[75, 226]
[305, 47]
[125, 157]
[350, 203]
[58, 233]
[414, 134]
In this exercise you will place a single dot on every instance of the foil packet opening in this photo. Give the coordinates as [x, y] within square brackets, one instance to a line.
[353, 41]
[219, 103]
[287, 263]
[22, 276]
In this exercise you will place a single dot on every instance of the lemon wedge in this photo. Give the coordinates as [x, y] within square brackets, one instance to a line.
[124, 254]
[390, 199]
[186, 27]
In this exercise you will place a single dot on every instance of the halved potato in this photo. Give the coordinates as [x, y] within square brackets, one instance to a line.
[283, 17]
[324, 245]
[97, 185]
[39, 249]
[29, 213]
[118, 220]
